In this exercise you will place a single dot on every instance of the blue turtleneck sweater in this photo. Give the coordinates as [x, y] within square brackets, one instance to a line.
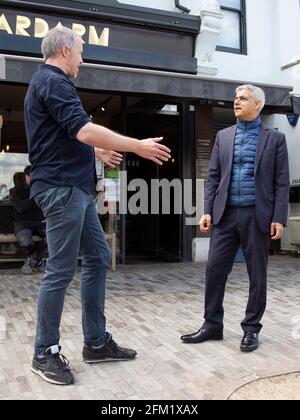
[241, 191]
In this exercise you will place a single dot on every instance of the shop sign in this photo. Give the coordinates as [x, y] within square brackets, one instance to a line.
[37, 26]
[21, 33]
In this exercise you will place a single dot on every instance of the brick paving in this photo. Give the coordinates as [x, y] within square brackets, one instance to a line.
[148, 308]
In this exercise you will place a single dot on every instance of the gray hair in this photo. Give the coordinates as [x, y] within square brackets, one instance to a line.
[257, 93]
[56, 39]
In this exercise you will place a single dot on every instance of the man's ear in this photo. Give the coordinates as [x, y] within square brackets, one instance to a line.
[65, 51]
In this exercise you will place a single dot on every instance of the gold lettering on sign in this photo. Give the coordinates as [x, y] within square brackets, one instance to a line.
[41, 28]
[4, 26]
[79, 29]
[94, 39]
[23, 23]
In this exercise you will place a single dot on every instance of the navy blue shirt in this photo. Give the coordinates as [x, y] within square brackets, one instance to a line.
[53, 117]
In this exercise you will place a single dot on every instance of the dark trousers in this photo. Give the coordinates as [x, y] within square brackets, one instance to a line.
[237, 227]
[24, 233]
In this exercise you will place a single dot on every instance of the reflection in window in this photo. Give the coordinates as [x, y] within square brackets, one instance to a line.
[235, 4]
[10, 163]
[230, 33]
[233, 33]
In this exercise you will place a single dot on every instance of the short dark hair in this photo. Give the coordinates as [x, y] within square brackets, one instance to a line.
[27, 170]
[19, 179]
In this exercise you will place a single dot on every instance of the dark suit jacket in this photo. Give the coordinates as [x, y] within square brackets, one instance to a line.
[272, 181]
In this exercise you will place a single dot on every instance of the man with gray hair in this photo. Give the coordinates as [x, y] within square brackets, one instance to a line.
[61, 140]
[246, 203]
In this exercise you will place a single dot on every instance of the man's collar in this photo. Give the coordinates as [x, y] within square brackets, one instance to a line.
[249, 124]
[53, 68]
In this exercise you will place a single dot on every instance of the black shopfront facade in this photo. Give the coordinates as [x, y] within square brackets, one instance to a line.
[140, 79]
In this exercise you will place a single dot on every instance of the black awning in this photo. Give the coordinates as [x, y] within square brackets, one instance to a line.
[296, 104]
[173, 85]
[133, 81]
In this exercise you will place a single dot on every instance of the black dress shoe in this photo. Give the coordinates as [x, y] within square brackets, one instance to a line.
[249, 342]
[201, 336]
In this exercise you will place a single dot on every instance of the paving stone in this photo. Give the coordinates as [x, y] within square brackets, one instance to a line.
[148, 307]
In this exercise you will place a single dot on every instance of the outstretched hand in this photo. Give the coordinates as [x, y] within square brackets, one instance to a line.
[151, 149]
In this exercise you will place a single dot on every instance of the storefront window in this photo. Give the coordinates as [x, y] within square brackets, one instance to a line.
[233, 33]
[11, 166]
[10, 163]
[107, 204]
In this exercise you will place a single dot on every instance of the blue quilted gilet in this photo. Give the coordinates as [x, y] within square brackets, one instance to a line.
[241, 192]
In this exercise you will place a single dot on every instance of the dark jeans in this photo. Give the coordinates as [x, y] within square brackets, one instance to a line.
[72, 226]
[24, 233]
[237, 227]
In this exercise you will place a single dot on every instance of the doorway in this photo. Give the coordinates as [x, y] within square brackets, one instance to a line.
[154, 236]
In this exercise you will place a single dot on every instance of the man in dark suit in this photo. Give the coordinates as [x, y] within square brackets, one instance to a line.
[246, 203]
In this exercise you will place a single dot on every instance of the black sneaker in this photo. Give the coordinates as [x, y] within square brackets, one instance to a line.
[28, 266]
[53, 367]
[40, 266]
[109, 352]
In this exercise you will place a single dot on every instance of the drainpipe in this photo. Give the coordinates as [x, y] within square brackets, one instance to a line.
[180, 7]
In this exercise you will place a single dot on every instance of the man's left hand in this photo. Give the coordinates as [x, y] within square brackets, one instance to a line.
[109, 157]
[276, 231]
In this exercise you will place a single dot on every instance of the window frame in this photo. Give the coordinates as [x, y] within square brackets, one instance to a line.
[243, 30]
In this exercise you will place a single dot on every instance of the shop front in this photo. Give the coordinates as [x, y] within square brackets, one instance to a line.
[139, 78]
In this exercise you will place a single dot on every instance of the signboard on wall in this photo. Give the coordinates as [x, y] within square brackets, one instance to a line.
[203, 154]
[21, 33]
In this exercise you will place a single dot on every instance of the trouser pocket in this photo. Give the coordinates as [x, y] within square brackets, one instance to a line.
[54, 198]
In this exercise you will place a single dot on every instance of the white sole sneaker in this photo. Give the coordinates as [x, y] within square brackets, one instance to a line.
[51, 381]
